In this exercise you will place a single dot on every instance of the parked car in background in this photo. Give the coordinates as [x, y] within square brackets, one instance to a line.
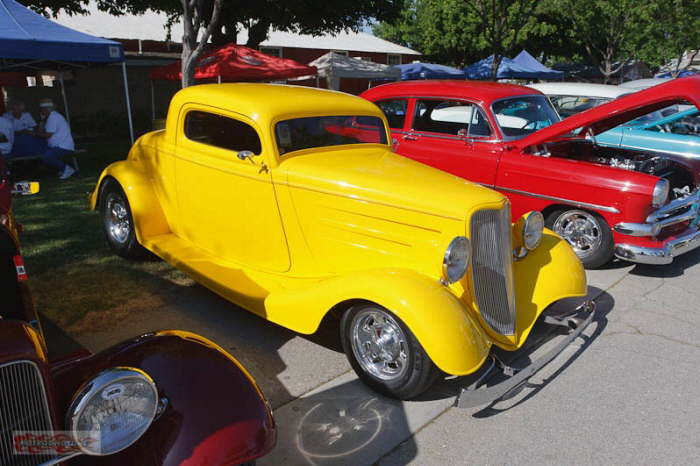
[289, 202]
[676, 136]
[572, 98]
[639, 84]
[639, 206]
[163, 398]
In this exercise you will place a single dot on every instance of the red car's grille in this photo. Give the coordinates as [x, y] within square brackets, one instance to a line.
[23, 407]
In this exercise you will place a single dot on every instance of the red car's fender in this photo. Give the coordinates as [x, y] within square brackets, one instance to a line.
[215, 412]
[539, 183]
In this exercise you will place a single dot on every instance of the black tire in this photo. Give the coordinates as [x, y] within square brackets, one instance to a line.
[115, 209]
[418, 372]
[593, 254]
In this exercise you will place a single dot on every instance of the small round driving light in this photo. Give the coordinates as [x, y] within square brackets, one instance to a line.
[112, 411]
[660, 194]
[533, 229]
[456, 260]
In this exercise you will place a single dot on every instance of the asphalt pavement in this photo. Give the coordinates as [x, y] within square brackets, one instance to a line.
[627, 391]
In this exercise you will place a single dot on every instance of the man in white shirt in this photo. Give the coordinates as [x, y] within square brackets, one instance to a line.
[54, 128]
[7, 137]
[22, 121]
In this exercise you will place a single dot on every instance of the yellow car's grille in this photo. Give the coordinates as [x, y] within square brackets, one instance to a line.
[492, 268]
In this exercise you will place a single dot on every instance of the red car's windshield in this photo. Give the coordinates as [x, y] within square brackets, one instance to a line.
[519, 116]
[324, 131]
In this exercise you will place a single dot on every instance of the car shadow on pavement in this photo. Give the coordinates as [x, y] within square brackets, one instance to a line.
[542, 336]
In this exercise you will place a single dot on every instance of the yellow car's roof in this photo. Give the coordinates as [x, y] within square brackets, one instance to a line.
[267, 102]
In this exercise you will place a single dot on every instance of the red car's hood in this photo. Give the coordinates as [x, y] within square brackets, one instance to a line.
[621, 110]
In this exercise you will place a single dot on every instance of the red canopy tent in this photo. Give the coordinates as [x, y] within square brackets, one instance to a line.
[233, 62]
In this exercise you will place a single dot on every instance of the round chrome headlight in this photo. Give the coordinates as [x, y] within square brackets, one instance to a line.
[112, 411]
[456, 260]
[660, 194]
[533, 229]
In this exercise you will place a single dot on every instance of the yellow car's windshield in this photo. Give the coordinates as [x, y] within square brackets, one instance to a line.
[305, 133]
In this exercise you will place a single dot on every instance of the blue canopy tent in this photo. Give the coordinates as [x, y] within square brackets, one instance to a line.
[29, 42]
[508, 69]
[429, 71]
[526, 60]
[682, 74]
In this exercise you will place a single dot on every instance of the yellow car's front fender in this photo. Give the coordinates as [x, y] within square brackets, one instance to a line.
[549, 273]
[149, 219]
[438, 319]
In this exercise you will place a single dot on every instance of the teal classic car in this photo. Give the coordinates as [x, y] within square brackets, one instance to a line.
[677, 133]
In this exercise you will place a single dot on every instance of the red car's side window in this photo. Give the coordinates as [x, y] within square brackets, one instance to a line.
[453, 117]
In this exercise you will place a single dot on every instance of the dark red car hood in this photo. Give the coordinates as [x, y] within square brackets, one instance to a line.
[604, 117]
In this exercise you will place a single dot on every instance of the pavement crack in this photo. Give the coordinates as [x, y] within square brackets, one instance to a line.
[637, 331]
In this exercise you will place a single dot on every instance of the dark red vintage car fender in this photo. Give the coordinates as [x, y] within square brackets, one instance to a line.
[215, 414]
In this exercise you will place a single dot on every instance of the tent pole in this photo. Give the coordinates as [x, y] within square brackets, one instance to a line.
[128, 102]
[219, 79]
[153, 103]
[63, 94]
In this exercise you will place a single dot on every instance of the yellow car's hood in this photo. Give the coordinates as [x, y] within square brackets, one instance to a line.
[378, 175]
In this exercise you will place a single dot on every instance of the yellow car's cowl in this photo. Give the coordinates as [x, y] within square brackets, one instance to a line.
[315, 216]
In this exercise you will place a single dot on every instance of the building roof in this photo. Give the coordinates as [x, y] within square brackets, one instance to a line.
[151, 26]
[481, 91]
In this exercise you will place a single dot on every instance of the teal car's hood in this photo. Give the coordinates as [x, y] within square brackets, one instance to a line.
[642, 137]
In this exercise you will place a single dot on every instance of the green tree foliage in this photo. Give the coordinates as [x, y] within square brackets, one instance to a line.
[459, 32]
[257, 16]
[608, 30]
[673, 30]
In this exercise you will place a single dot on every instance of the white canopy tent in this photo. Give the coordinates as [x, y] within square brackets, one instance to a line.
[334, 67]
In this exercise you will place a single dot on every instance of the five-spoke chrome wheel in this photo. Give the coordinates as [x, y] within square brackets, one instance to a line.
[581, 230]
[379, 344]
[587, 233]
[116, 218]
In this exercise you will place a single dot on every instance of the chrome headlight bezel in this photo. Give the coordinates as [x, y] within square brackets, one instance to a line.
[110, 382]
[659, 195]
[532, 231]
[455, 261]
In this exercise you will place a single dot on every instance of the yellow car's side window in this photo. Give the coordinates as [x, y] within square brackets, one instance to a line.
[220, 131]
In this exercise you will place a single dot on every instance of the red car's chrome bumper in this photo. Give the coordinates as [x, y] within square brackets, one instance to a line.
[664, 253]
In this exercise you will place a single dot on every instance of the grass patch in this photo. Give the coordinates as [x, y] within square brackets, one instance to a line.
[76, 279]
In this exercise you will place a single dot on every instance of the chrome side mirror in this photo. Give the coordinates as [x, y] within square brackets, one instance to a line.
[245, 154]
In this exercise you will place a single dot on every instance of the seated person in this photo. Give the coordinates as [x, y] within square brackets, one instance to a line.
[21, 120]
[26, 143]
[55, 129]
[7, 137]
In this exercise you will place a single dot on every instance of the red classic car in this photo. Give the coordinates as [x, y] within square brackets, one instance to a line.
[639, 206]
[165, 397]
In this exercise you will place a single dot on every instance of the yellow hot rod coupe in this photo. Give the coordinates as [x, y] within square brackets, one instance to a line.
[289, 202]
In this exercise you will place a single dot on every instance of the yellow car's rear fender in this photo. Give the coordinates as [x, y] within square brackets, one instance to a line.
[149, 219]
[438, 319]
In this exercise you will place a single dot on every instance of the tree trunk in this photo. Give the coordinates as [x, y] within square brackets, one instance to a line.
[495, 64]
[191, 47]
[257, 33]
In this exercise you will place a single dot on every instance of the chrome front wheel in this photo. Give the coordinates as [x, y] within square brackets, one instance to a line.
[384, 352]
[587, 233]
[379, 344]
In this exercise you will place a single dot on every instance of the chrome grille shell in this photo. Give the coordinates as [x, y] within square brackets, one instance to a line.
[492, 268]
[23, 407]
